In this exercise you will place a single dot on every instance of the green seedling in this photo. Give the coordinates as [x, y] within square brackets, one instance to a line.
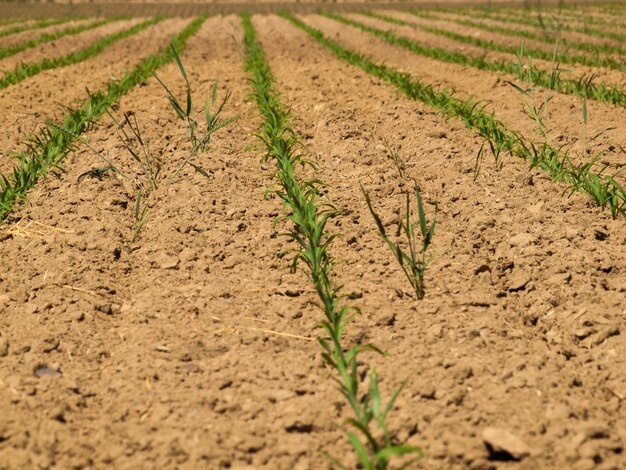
[414, 261]
[308, 214]
[395, 157]
[150, 176]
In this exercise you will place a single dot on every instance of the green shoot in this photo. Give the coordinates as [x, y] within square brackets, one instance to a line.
[415, 262]
[309, 217]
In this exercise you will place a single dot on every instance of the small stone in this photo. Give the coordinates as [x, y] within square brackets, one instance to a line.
[45, 371]
[606, 334]
[522, 239]
[165, 261]
[50, 344]
[428, 392]
[502, 445]
[518, 282]
[4, 347]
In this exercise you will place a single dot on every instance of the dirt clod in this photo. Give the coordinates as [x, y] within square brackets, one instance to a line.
[503, 445]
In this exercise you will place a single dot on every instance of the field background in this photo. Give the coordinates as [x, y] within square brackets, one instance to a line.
[195, 346]
[47, 9]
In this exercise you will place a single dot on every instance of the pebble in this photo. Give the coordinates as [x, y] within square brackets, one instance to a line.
[4, 347]
[502, 445]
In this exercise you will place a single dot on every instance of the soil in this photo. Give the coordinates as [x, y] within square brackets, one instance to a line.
[194, 347]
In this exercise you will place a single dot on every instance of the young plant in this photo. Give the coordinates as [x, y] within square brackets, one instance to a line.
[309, 217]
[151, 176]
[396, 159]
[415, 262]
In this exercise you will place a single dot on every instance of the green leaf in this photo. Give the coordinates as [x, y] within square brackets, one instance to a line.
[361, 451]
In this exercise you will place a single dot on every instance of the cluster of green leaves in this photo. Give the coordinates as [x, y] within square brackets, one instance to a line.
[148, 176]
[309, 217]
[47, 37]
[583, 86]
[28, 70]
[45, 151]
[38, 25]
[500, 139]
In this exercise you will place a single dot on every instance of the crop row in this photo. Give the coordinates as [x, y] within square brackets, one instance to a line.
[554, 56]
[551, 79]
[38, 25]
[47, 37]
[607, 48]
[536, 23]
[604, 190]
[28, 70]
[309, 214]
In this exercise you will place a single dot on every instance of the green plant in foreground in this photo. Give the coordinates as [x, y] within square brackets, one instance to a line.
[414, 263]
[46, 150]
[309, 218]
[150, 175]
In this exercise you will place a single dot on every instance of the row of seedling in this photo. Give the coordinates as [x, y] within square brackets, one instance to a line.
[538, 23]
[38, 25]
[308, 214]
[46, 150]
[47, 37]
[604, 190]
[582, 86]
[25, 71]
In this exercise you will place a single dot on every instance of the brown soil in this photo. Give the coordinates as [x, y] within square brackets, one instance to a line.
[50, 94]
[195, 350]
[64, 45]
[564, 120]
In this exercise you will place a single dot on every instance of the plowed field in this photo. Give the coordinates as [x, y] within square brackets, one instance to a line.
[158, 323]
